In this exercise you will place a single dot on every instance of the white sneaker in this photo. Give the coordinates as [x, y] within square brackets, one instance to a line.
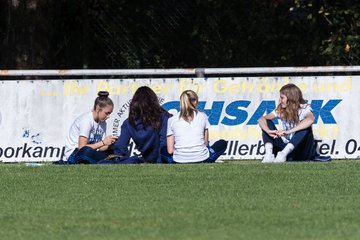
[268, 158]
[280, 157]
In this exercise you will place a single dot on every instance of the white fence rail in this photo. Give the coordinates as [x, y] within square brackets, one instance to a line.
[182, 72]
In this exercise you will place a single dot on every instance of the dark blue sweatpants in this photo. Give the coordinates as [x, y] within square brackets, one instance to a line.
[303, 141]
[86, 155]
[216, 150]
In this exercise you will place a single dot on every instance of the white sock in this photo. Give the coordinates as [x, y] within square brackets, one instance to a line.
[268, 148]
[288, 149]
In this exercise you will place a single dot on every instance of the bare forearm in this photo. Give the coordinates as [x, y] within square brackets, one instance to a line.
[206, 137]
[263, 125]
[306, 123]
[170, 144]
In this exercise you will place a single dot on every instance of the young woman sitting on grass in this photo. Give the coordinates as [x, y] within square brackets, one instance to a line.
[188, 134]
[146, 125]
[295, 141]
[86, 141]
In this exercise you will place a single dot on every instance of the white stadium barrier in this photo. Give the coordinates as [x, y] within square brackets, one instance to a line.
[35, 115]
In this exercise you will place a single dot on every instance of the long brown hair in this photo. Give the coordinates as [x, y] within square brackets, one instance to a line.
[188, 100]
[294, 99]
[145, 106]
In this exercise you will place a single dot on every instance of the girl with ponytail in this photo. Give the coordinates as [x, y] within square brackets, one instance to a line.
[188, 134]
[86, 141]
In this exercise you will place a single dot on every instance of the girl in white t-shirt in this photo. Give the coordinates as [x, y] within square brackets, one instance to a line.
[86, 141]
[188, 134]
[295, 140]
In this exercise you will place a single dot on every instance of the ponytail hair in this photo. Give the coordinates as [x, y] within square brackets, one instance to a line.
[103, 100]
[188, 101]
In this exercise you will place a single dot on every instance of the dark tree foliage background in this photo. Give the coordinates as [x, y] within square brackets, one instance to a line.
[70, 34]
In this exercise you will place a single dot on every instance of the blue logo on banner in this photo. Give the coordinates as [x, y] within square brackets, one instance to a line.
[237, 113]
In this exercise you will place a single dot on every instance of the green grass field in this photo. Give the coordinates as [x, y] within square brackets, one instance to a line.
[233, 200]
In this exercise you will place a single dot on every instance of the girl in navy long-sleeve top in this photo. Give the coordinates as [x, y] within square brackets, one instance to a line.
[148, 140]
[146, 125]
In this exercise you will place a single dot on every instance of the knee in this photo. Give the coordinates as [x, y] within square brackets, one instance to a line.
[270, 124]
[220, 145]
[85, 150]
[223, 143]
